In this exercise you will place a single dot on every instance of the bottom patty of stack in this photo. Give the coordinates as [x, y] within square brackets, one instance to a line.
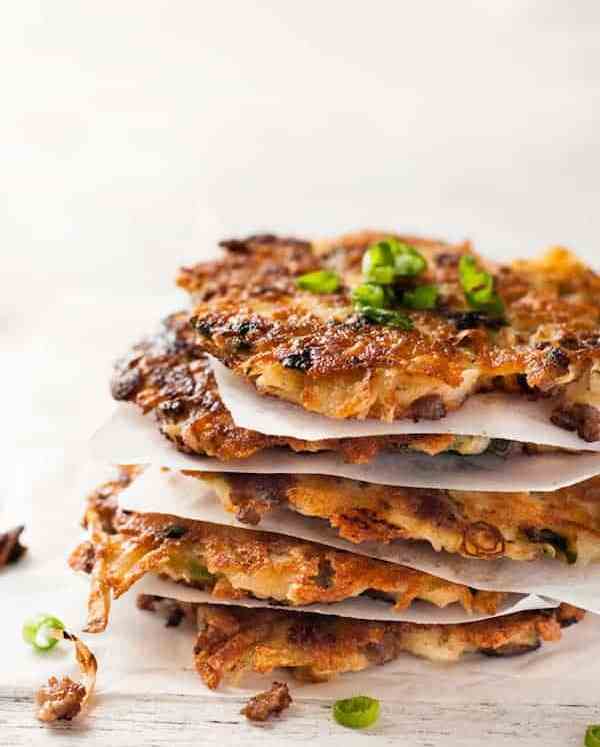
[232, 640]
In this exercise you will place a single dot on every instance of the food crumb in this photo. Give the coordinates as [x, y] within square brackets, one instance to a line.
[11, 549]
[59, 700]
[63, 699]
[262, 706]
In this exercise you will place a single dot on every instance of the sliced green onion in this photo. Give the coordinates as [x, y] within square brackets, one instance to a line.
[478, 286]
[494, 306]
[407, 260]
[356, 713]
[38, 631]
[199, 572]
[421, 297]
[388, 259]
[371, 294]
[478, 283]
[592, 736]
[387, 317]
[378, 263]
[320, 281]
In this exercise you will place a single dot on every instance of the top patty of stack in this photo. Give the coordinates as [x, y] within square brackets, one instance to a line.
[319, 351]
[168, 373]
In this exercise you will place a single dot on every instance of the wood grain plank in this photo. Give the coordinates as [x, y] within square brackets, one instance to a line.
[171, 721]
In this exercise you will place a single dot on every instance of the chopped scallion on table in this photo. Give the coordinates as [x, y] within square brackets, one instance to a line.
[39, 630]
[356, 713]
[592, 736]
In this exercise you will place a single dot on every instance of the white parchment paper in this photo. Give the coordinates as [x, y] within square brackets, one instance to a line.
[360, 608]
[171, 492]
[138, 655]
[494, 415]
[157, 491]
[132, 438]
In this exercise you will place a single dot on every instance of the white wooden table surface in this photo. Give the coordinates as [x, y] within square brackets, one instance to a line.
[132, 131]
[176, 720]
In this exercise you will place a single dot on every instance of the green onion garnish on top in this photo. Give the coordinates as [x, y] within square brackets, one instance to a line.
[384, 263]
[319, 281]
[478, 286]
[592, 736]
[387, 317]
[356, 713]
[371, 294]
[378, 263]
[390, 259]
[421, 297]
[39, 631]
[407, 260]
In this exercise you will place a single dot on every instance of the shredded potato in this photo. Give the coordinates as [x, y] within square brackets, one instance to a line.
[317, 351]
[64, 699]
[232, 563]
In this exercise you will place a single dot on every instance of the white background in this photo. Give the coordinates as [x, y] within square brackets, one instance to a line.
[133, 133]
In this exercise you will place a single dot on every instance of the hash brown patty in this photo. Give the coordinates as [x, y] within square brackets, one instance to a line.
[316, 351]
[562, 524]
[234, 563]
[234, 640]
[167, 374]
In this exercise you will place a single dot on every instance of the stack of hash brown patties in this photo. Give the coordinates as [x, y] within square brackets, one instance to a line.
[367, 326]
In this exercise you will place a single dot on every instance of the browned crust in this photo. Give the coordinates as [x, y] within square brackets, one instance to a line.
[234, 640]
[261, 322]
[241, 563]
[167, 374]
[522, 526]
[258, 257]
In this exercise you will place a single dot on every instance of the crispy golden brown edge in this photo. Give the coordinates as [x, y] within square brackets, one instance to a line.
[233, 563]
[564, 524]
[167, 374]
[315, 351]
[233, 640]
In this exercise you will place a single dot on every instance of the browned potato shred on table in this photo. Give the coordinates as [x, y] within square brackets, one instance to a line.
[64, 699]
[11, 549]
[269, 703]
